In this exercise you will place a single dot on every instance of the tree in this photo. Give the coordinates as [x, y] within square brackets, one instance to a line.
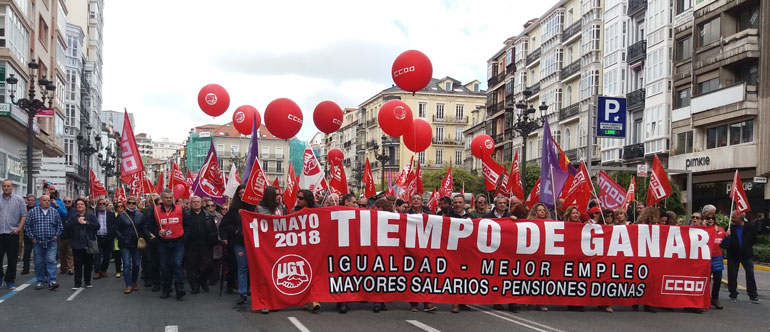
[473, 184]
[671, 203]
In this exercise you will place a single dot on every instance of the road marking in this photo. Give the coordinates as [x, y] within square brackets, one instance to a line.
[17, 290]
[172, 328]
[422, 326]
[298, 324]
[517, 320]
[75, 294]
[739, 286]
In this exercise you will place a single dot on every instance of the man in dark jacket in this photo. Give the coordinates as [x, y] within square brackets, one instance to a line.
[201, 238]
[739, 240]
[105, 236]
[168, 225]
[500, 210]
[150, 262]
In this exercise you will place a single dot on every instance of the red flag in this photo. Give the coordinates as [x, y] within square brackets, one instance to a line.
[276, 184]
[515, 181]
[176, 177]
[630, 195]
[462, 191]
[97, 188]
[563, 160]
[159, 184]
[738, 195]
[189, 182]
[659, 188]
[411, 187]
[147, 187]
[135, 185]
[130, 159]
[368, 180]
[418, 184]
[120, 193]
[433, 201]
[292, 188]
[567, 185]
[403, 176]
[611, 194]
[534, 195]
[503, 188]
[446, 184]
[338, 182]
[491, 170]
[255, 187]
[579, 192]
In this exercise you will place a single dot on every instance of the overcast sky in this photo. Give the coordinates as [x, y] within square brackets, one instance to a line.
[158, 54]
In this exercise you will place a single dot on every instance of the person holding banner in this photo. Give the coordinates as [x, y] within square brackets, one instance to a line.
[168, 224]
[418, 208]
[621, 217]
[232, 237]
[458, 211]
[480, 208]
[572, 214]
[500, 211]
[649, 216]
[717, 263]
[739, 242]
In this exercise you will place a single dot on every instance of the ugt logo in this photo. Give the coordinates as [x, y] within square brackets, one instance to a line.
[292, 274]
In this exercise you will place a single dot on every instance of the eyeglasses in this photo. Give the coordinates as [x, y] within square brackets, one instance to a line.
[481, 202]
[102, 204]
[210, 205]
[300, 198]
[709, 218]
[131, 203]
[67, 201]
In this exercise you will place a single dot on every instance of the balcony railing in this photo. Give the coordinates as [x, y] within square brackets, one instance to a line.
[569, 111]
[572, 154]
[633, 151]
[570, 70]
[636, 6]
[533, 57]
[447, 119]
[637, 51]
[492, 80]
[492, 109]
[510, 68]
[571, 30]
[635, 100]
[446, 141]
[742, 42]
[535, 88]
[371, 144]
[499, 137]
[370, 122]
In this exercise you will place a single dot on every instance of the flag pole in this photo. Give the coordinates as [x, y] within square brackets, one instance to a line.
[598, 201]
[730, 217]
[553, 190]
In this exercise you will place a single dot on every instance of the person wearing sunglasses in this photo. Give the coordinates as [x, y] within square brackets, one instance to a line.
[66, 258]
[305, 199]
[480, 206]
[112, 223]
[363, 203]
[232, 237]
[717, 263]
[130, 227]
[104, 236]
[696, 219]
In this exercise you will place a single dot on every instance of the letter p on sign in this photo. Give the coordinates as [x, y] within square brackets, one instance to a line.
[611, 107]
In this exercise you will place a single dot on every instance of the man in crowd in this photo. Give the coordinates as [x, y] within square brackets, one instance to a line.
[417, 206]
[500, 210]
[44, 226]
[444, 204]
[27, 256]
[105, 237]
[168, 226]
[349, 200]
[739, 242]
[12, 216]
[150, 263]
[458, 211]
[201, 237]
[363, 203]
[401, 206]
[66, 260]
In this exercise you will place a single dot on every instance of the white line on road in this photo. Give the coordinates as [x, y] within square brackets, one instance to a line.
[511, 315]
[172, 328]
[75, 294]
[515, 321]
[422, 325]
[298, 324]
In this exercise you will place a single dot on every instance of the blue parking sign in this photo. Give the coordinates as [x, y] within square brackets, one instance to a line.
[611, 117]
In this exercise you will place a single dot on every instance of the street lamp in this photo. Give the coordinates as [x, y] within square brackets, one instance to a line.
[383, 159]
[31, 106]
[88, 149]
[526, 123]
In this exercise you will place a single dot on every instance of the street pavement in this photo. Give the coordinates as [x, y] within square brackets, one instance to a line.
[106, 308]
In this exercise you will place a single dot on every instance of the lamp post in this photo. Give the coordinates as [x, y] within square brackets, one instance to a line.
[526, 123]
[31, 106]
[88, 149]
[383, 159]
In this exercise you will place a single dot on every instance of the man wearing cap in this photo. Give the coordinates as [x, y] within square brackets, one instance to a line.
[12, 216]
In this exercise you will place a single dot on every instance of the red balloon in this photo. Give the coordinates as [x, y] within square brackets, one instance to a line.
[283, 118]
[482, 145]
[412, 71]
[179, 191]
[395, 117]
[419, 135]
[244, 118]
[213, 100]
[327, 117]
[335, 157]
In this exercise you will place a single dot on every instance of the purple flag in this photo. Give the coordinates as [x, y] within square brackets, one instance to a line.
[210, 182]
[559, 179]
[253, 151]
[550, 157]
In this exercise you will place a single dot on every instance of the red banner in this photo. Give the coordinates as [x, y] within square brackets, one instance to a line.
[130, 159]
[368, 180]
[97, 188]
[738, 195]
[339, 254]
[492, 171]
[659, 187]
[611, 194]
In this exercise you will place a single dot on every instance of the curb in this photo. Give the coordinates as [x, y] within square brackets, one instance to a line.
[757, 267]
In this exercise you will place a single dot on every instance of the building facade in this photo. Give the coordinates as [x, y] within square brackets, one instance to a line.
[477, 126]
[344, 140]
[445, 104]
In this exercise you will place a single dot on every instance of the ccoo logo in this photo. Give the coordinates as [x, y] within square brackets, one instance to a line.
[211, 98]
[684, 285]
[489, 144]
[294, 118]
[292, 274]
[399, 112]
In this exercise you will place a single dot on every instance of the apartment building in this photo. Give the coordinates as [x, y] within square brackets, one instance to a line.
[477, 126]
[343, 140]
[444, 103]
[717, 126]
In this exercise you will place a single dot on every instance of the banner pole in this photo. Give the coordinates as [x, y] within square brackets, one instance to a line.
[730, 216]
[553, 191]
[598, 201]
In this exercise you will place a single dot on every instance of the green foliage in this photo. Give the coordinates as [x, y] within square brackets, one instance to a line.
[762, 254]
[722, 220]
[473, 183]
[671, 203]
[763, 240]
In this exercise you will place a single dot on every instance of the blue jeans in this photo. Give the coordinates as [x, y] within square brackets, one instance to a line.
[131, 260]
[243, 268]
[170, 255]
[45, 262]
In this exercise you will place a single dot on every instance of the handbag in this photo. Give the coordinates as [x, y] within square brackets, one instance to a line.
[141, 243]
[93, 247]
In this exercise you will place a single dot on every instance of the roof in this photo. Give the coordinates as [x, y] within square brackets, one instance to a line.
[228, 130]
[434, 87]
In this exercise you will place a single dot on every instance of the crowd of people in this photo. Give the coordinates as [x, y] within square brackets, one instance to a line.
[165, 241]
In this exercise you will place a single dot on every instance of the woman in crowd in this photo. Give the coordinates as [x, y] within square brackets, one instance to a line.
[539, 211]
[650, 216]
[480, 207]
[232, 235]
[82, 226]
[112, 223]
[609, 217]
[218, 250]
[717, 263]
[519, 210]
[305, 199]
[572, 215]
[130, 227]
[621, 218]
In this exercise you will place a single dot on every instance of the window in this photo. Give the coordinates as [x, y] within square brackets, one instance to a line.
[234, 149]
[439, 157]
[220, 148]
[684, 48]
[475, 87]
[279, 152]
[708, 86]
[683, 98]
[708, 32]
[637, 132]
[683, 5]
[265, 166]
[684, 142]
[279, 166]
[458, 157]
[459, 112]
[421, 158]
[748, 74]
[567, 138]
[439, 111]
[458, 135]
[439, 134]
[748, 19]
[448, 86]
[43, 32]
[265, 151]
[421, 107]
